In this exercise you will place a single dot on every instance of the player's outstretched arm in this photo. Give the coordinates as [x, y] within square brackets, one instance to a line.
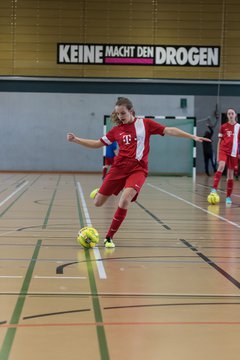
[173, 131]
[93, 144]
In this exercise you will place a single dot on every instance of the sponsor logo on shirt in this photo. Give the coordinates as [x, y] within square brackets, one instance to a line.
[127, 139]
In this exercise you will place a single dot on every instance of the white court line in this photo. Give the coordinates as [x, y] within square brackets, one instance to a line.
[10, 277]
[194, 205]
[13, 193]
[59, 277]
[112, 295]
[100, 267]
[6, 199]
[8, 232]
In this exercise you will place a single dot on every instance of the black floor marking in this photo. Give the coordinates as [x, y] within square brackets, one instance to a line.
[60, 268]
[212, 263]
[58, 227]
[45, 202]
[193, 248]
[55, 313]
[29, 227]
[167, 305]
[220, 270]
[153, 216]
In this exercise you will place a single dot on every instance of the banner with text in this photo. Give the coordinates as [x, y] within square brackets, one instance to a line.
[162, 55]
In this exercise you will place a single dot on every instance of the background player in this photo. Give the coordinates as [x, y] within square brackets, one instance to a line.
[130, 168]
[208, 149]
[111, 152]
[236, 170]
[229, 138]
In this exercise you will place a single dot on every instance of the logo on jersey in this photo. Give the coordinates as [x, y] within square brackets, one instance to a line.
[229, 133]
[127, 139]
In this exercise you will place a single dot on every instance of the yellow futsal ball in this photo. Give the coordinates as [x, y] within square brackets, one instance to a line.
[213, 198]
[88, 237]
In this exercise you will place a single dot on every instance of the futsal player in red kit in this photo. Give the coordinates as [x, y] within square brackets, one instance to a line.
[229, 139]
[130, 168]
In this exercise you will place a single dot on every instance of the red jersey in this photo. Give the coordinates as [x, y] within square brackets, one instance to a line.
[230, 138]
[133, 139]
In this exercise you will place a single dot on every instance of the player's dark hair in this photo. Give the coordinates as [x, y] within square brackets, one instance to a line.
[231, 108]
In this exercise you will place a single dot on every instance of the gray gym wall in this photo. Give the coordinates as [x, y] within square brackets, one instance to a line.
[34, 127]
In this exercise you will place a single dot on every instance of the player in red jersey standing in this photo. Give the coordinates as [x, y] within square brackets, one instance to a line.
[229, 139]
[130, 168]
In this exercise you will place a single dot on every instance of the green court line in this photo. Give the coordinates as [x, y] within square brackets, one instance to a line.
[11, 332]
[102, 341]
[50, 205]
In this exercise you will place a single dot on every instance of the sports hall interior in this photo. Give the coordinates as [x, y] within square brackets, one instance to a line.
[170, 288]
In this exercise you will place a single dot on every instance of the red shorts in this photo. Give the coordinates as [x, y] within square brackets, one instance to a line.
[108, 161]
[127, 175]
[230, 161]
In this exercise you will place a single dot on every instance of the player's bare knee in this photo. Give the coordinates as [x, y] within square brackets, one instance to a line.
[125, 200]
[124, 203]
[98, 202]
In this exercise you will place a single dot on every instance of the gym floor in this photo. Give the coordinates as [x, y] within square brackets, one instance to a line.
[169, 290]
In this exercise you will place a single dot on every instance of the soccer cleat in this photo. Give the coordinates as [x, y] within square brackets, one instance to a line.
[109, 243]
[228, 201]
[94, 193]
[213, 191]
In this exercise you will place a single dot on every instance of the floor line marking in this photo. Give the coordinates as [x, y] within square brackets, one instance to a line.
[212, 263]
[45, 223]
[11, 332]
[194, 205]
[169, 295]
[84, 205]
[13, 193]
[59, 277]
[101, 335]
[97, 255]
[8, 232]
[130, 323]
[141, 260]
[10, 276]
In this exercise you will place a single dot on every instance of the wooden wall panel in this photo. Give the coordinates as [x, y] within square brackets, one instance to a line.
[31, 29]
